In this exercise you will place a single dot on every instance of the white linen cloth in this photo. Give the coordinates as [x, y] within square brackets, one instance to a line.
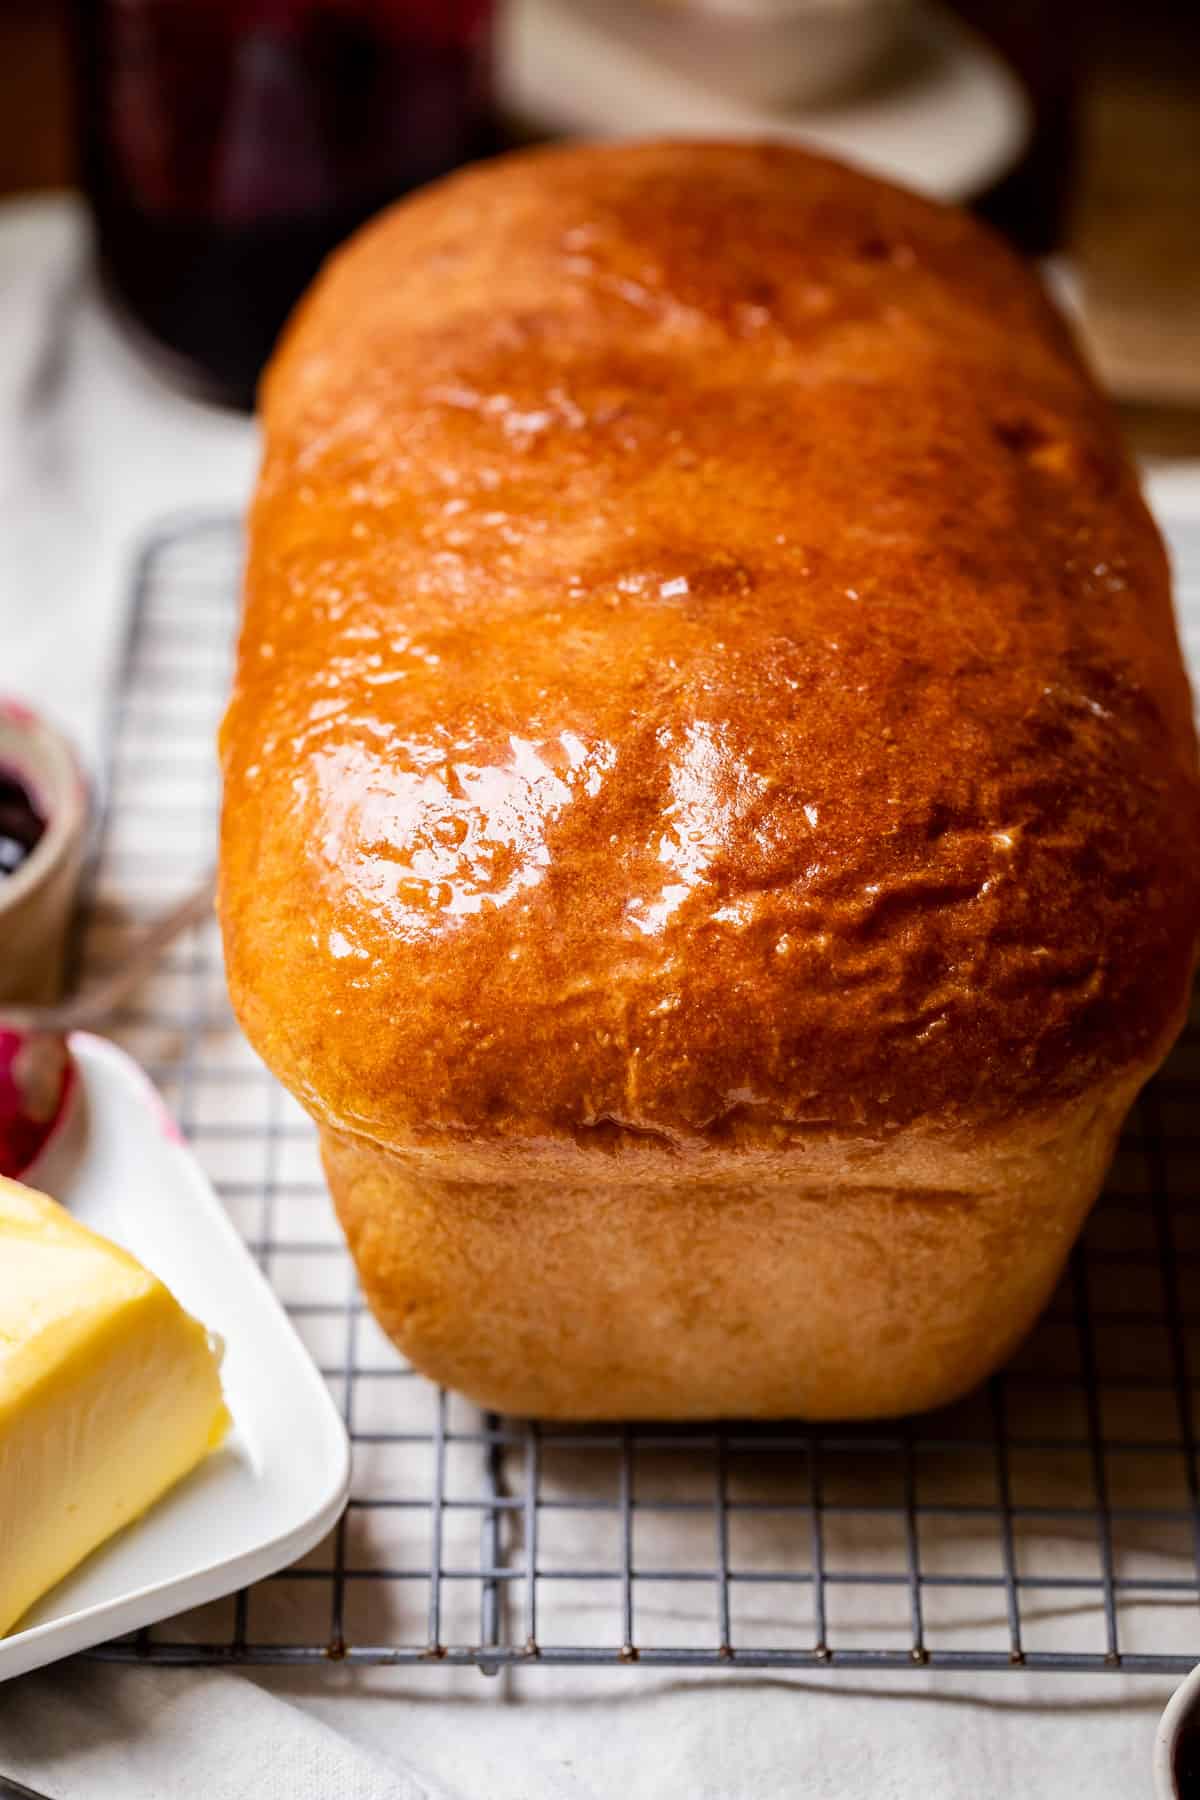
[92, 451]
[88, 1731]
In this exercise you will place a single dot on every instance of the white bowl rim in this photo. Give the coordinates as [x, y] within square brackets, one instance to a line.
[778, 12]
[51, 770]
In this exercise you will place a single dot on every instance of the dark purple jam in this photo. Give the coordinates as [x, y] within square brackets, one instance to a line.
[228, 145]
[21, 824]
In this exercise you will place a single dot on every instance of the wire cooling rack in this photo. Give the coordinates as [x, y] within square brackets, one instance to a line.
[1052, 1520]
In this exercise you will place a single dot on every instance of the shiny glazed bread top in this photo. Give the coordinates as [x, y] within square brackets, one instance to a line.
[707, 670]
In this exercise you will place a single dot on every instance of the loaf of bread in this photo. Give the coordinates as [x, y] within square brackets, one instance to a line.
[711, 801]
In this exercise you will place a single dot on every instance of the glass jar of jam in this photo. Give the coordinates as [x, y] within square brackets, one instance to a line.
[228, 145]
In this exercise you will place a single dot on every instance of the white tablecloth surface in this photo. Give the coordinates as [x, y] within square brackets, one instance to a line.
[92, 449]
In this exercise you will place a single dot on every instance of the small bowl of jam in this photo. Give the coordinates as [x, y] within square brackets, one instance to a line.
[43, 817]
[22, 826]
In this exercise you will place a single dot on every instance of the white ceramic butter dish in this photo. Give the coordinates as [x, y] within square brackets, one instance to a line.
[279, 1483]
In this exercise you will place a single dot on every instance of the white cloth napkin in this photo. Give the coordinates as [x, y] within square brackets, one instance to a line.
[86, 1731]
[93, 450]
[83, 1732]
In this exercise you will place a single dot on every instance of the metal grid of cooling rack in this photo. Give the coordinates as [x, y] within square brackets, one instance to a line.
[1050, 1521]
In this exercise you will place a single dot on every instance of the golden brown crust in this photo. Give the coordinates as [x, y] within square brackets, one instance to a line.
[707, 673]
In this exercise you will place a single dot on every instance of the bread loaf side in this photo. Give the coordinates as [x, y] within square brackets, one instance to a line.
[711, 805]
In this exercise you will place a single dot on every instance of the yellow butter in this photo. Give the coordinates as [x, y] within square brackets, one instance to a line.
[109, 1394]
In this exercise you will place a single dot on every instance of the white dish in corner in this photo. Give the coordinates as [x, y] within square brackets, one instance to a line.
[280, 1481]
[949, 119]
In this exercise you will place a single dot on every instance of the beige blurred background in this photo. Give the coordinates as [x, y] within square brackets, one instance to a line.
[1111, 180]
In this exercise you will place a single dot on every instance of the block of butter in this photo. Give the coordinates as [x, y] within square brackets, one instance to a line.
[109, 1394]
